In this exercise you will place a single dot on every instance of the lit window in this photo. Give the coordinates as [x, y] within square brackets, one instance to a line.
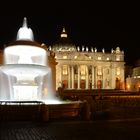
[117, 58]
[75, 57]
[89, 57]
[83, 69]
[99, 71]
[128, 86]
[107, 58]
[99, 58]
[118, 71]
[83, 77]
[65, 70]
[64, 57]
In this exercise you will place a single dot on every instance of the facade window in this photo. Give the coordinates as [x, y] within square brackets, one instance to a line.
[83, 70]
[83, 77]
[99, 71]
[117, 58]
[118, 71]
[107, 58]
[107, 71]
[64, 57]
[65, 69]
[107, 83]
[99, 58]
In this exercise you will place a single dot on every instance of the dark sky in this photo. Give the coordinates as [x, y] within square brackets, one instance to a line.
[107, 25]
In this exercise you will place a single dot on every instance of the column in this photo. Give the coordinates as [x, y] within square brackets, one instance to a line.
[93, 82]
[72, 77]
[69, 79]
[103, 77]
[87, 77]
[61, 75]
[95, 78]
[58, 76]
[78, 76]
[113, 77]
[122, 77]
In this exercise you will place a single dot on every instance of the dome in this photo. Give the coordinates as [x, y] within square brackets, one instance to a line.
[64, 43]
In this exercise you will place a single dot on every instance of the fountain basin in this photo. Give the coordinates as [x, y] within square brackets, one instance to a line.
[24, 69]
[25, 81]
[37, 110]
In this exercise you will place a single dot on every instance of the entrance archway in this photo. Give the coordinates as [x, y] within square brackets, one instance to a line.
[82, 84]
[117, 83]
[99, 84]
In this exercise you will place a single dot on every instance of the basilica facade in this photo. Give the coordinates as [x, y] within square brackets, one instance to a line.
[86, 68]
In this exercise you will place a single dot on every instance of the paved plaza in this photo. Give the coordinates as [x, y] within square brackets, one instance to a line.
[71, 130]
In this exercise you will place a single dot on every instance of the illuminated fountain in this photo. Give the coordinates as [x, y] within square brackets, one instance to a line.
[25, 74]
[28, 75]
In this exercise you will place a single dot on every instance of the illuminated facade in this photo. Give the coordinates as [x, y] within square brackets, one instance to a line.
[86, 68]
[133, 80]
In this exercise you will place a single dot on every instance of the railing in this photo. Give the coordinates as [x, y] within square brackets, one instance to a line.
[20, 102]
[20, 110]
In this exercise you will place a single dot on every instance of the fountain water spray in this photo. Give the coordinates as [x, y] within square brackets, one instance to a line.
[26, 74]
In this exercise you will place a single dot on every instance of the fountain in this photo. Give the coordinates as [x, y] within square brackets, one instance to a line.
[25, 74]
[26, 79]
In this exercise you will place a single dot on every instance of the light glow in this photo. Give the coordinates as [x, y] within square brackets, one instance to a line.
[128, 87]
[25, 54]
[63, 35]
[25, 93]
[25, 33]
[99, 58]
[107, 58]
[64, 57]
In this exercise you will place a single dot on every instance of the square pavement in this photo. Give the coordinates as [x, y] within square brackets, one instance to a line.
[71, 130]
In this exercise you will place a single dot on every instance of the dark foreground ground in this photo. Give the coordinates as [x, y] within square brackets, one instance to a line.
[71, 130]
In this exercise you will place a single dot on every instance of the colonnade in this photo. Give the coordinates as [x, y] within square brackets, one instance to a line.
[74, 76]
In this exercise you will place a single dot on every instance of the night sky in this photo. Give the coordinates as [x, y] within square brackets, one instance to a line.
[102, 25]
